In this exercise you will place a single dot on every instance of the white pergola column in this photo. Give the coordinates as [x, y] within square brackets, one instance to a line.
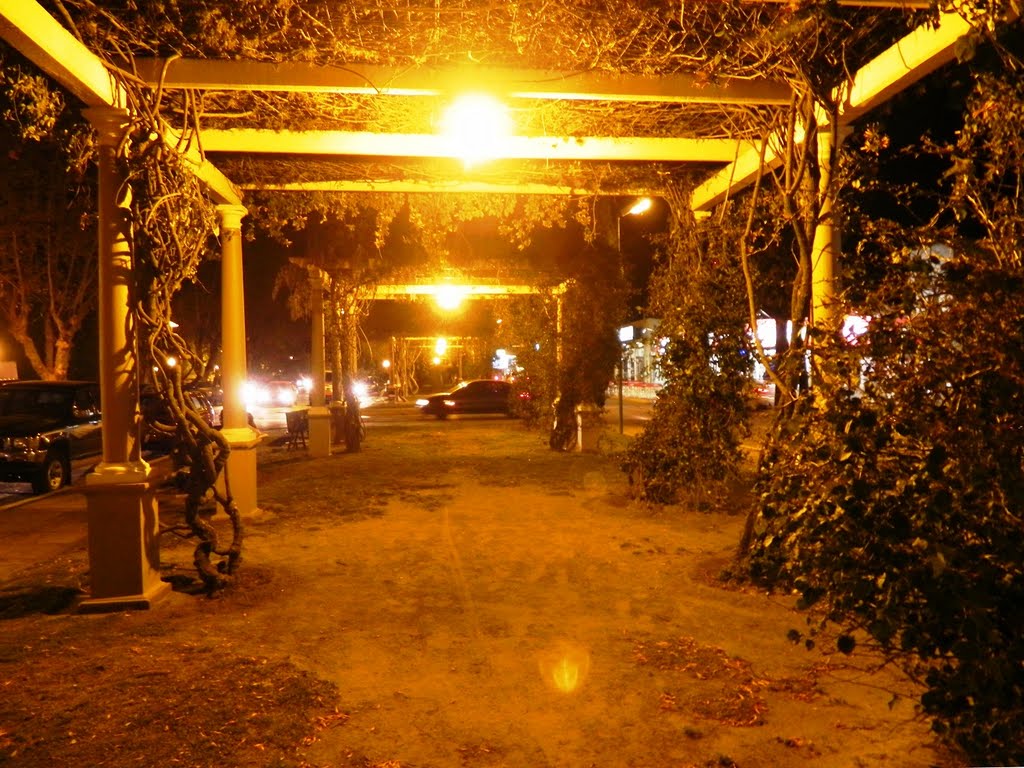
[242, 438]
[826, 248]
[124, 529]
[319, 414]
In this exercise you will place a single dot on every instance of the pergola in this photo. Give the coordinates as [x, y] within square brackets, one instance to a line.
[232, 156]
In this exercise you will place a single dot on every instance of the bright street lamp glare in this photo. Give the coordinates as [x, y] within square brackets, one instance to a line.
[449, 296]
[640, 206]
[476, 126]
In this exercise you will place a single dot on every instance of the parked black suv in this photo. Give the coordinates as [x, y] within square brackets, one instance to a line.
[44, 425]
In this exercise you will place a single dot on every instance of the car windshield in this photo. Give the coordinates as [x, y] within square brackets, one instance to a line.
[35, 402]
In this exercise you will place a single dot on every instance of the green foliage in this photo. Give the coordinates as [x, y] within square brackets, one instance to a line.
[894, 503]
[30, 103]
[988, 166]
[593, 307]
[527, 331]
[566, 340]
[691, 444]
[893, 500]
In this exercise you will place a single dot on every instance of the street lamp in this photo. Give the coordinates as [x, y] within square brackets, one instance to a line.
[476, 126]
[449, 296]
[640, 206]
[626, 333]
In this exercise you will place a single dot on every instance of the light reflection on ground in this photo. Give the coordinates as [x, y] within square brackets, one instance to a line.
[565, 666]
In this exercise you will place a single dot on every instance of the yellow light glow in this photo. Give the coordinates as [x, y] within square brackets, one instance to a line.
[565, 667]
[436, 360]
[449, 296]
[476, 126]
[385, 364]
[440, 346]
[640, 206]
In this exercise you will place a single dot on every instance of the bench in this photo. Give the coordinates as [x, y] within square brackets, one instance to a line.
[298, 428]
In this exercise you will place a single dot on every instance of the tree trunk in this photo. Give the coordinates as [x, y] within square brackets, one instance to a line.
[349, 350]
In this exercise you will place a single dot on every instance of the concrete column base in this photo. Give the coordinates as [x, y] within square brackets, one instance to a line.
[242, 468]
[589, 426]
[319, 431]
[124, 544]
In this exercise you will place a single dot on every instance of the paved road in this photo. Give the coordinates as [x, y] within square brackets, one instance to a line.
[635, 414]
[12, 493]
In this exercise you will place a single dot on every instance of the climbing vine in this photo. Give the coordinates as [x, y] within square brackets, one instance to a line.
[172, 225]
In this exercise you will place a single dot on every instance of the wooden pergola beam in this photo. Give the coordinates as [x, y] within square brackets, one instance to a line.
[261, 141]
[369, 80]
[465, 291]
[908, 61]
[41, 39]
[404, 186]
[37, 35]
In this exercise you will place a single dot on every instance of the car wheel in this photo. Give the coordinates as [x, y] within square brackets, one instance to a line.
[53, 475]
[442, 414]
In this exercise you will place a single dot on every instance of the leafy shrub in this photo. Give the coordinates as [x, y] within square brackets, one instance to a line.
[894, 503]
[691, 442]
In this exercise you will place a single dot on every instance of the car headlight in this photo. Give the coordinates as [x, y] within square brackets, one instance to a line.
[21, 444]
[421, 402]
[254, 393]
[449, 403]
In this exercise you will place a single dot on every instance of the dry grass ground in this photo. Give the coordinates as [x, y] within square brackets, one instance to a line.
[455, 595]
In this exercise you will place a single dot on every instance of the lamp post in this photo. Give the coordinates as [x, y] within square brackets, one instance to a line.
[626, 333]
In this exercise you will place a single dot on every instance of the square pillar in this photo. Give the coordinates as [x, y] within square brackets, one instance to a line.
[124, 547]
[319, 431]
[241, 468]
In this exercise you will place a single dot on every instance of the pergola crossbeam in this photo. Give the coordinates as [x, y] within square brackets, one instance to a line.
[912, 58]
[38, 36]
[404, 186]
[465, 291]
[369, 80]
[42, 40]
[366, 144]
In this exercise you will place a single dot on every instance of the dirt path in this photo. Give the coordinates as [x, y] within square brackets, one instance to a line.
[455, 595]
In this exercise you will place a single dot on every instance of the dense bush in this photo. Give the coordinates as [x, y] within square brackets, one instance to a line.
[566, 342]
[691, 443]
[894, 502]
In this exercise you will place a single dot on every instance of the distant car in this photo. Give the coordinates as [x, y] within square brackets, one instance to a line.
[476, 396]
[216, 397]
[44, 426]
[364, 388]
[157, 422]
[270, 402]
